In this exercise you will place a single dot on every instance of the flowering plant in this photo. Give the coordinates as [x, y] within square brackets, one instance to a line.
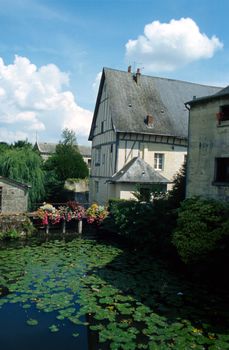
[49, 214]
[46, 212]
[96, 213]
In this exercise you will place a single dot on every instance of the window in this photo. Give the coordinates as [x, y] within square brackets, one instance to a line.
[97, 156]
[158, 161]
[102, 127]
[111, 147]
[96, 186]
[222, 170]
[103, 159]
[223, 114]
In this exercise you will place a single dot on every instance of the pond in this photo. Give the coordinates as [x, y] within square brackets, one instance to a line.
[88, 295]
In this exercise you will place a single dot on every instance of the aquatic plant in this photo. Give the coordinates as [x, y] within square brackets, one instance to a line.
[132, 301]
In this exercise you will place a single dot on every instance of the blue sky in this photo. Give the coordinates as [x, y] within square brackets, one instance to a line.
[52, 52]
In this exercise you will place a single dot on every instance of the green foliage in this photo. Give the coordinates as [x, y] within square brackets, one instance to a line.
[4, 146]
[131, 300]
[15, 226]
[148, 193]
[69, 137]
[66, 163]
[22, 144]
[201, 226]
[23, 164]
[177, 194]
[142, 223]
[10, 234]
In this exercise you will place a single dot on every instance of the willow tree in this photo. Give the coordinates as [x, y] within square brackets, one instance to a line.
[25, 165]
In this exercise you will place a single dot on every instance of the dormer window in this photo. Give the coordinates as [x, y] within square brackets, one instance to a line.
[149, 121]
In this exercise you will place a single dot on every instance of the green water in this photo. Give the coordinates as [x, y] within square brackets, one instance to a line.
[83, 294]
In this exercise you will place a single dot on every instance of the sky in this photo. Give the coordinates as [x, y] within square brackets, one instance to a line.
[52, 53]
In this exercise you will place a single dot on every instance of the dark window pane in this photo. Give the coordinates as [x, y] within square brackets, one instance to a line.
[222, 169]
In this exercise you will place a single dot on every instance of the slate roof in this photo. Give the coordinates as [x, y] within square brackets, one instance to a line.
[220, 94]
[138, 171]
[162, 98]
[14, 182]
[50, 148]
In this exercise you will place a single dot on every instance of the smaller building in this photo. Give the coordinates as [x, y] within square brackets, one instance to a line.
[208, 147]
[46, 149]
[13, 196]
[136, 176]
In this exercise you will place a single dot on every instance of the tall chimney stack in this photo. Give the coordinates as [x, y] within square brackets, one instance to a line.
[137, 75]
[129, 69]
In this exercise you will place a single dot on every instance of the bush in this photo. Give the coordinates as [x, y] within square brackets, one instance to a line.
[148, 224]
[201, 226]
[15, 226]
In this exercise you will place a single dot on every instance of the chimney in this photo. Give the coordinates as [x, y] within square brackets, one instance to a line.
[129, 69]
[137, 76]
[149, 120]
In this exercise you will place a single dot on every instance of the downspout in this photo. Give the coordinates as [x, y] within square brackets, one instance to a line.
[187, 162]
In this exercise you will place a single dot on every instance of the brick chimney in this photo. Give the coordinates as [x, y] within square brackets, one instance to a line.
[137, 76]
[129, 69]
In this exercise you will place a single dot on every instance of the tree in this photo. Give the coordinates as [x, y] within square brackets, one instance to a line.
[22, 144]
[69, 137]
[177, 194]
[25, 165]
[65, 163]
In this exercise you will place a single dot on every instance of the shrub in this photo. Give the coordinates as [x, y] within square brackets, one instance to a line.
[15, 226]
[148, 224]
[201, 226]
[177, 193]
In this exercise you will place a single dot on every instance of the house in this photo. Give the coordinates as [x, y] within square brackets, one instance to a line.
[46, 149]
[208, 146]
[138, 117]
[13, 196]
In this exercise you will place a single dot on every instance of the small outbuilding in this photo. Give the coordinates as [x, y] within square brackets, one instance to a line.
[13, 196]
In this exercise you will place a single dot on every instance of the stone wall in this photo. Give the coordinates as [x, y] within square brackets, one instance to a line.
[208, 140]
[14, 198]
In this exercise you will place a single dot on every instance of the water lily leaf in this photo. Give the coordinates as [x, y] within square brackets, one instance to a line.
[75, 335]
[32, 322]
[53, 328]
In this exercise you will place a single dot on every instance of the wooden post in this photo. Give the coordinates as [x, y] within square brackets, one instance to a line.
[80, 227]
[47, 229]
[64, 227]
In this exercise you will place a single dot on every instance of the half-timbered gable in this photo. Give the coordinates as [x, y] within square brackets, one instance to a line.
[138, 116]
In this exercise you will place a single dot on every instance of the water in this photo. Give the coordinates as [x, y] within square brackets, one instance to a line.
[89, 295]
[16, 334]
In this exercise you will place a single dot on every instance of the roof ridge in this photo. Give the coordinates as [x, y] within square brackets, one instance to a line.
[162, 78]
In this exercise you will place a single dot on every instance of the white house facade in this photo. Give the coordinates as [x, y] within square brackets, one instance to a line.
[138, 117]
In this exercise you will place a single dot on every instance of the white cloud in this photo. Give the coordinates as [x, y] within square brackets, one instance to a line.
[168, 46]
[96, 83]
[36, 99]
